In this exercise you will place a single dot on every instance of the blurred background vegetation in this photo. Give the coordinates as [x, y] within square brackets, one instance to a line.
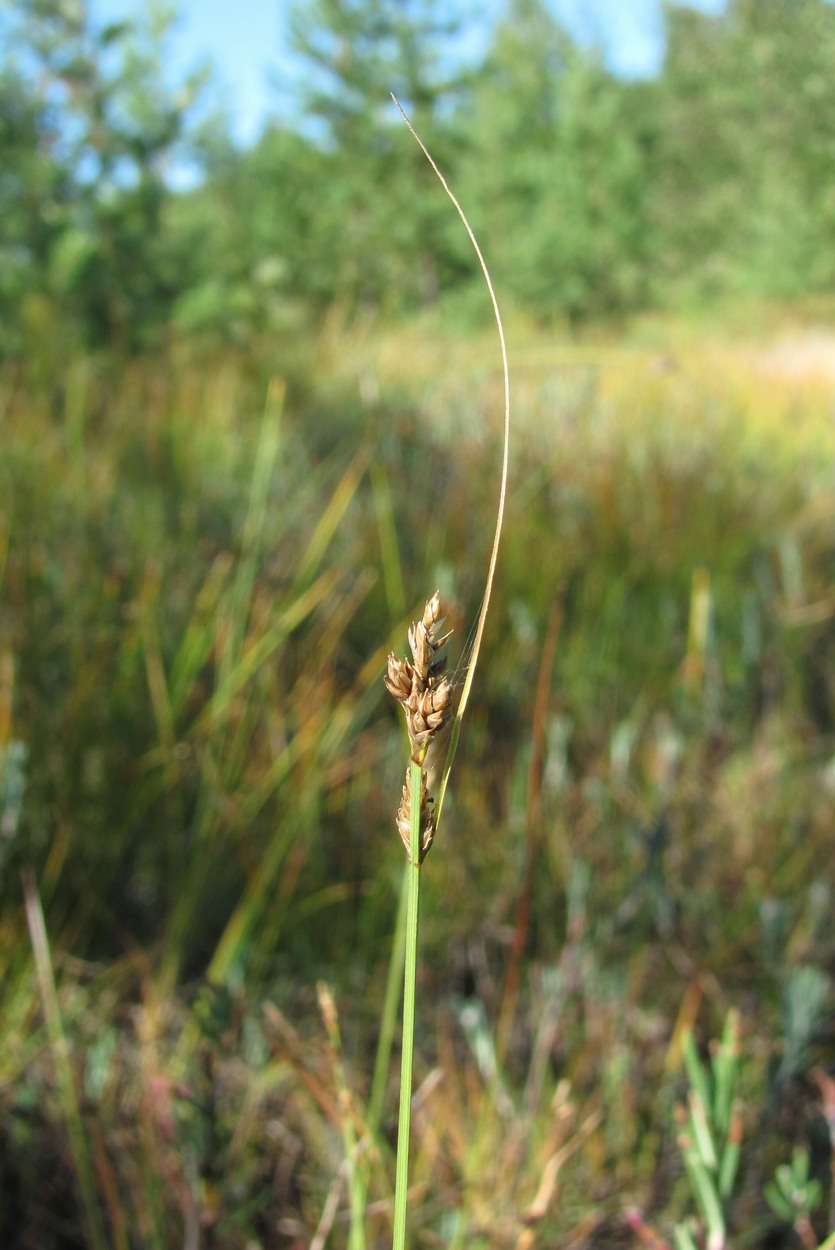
[249, 408]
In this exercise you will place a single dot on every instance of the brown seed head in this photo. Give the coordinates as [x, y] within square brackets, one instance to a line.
[420, 685]
[425, 646]
[427, 816]
[398, 678]
[426, 696]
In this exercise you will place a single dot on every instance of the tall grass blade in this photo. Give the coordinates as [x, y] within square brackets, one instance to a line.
[389, 547]
[330, 519]
[63, 1070]
[237, 608]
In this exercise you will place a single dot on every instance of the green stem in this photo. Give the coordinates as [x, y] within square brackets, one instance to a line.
[388, 1020]
[385, 1042]
[410, 979]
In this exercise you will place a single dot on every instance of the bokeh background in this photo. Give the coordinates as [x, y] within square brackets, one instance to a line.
[250, 418]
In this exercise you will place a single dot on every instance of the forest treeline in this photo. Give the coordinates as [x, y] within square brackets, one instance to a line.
[593, 196]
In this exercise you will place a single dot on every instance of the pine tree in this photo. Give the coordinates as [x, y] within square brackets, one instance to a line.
[393, 227]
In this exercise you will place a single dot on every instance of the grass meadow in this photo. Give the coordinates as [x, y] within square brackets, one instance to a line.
[203, 565]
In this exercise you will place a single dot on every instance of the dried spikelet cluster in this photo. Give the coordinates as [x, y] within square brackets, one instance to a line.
[425, 693]
[427, 816]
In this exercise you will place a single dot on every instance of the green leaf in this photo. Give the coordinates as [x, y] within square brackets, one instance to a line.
[778, 1202]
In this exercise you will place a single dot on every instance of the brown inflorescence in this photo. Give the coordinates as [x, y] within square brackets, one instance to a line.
[420, 685]
[424, 691]
[427, 815]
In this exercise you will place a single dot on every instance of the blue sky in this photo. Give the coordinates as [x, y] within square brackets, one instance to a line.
[246, 41]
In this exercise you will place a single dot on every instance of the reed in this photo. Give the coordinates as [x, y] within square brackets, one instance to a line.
[433, 721]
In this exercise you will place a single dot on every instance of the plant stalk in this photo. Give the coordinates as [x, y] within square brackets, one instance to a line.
[408, 1045]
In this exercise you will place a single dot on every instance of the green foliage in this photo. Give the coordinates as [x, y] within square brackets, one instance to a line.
[389, 226]
[742, 165]
[596, 196]
[711, 1145]
[89, 134]
[554, 169]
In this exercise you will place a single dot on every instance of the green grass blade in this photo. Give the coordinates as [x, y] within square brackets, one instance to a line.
[238, 605]
[707, 1199]
[330, 519]
[725, 1068]
[696, 1072]
[389, 546]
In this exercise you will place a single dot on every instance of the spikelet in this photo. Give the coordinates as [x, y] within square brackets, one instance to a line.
[425, 694]
[427, 816]
[421, 686]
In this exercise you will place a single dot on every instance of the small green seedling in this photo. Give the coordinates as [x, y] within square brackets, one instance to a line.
[710, 1137]
[793, 1192]
[793, 1195]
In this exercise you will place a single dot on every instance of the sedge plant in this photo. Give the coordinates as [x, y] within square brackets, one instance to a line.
[433, 721]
